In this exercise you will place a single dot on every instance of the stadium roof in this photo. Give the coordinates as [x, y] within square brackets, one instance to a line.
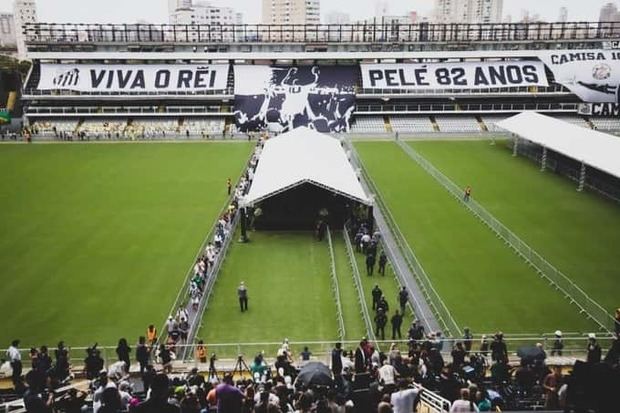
[593, 148]
[304, 156]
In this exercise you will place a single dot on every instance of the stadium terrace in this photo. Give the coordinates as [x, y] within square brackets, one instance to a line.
[344, 218]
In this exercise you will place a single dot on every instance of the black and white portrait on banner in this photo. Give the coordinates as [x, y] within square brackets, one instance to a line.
[281, 98]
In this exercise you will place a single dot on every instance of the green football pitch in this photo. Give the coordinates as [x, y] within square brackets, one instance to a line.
[96, 239]
[484, 284]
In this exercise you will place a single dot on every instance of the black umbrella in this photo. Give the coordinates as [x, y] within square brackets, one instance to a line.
[315, 373]
[531, 353]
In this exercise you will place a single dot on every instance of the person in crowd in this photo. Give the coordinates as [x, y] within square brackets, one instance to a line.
[403, 400]
[35, 400]
[201, 351]
[171, 326]
[464, 404]
[305, 354]
[361, 358]
[458, 355]
[483, 402]
[380, 322]
[403, 298]
[499, 352]
[365, 243]
[396, 321]
[122, 351]
[370, 264]
[15, 359]
[551, 385]
[142, 354]
[63, 366]
[558, 344]
[467, 194]
[151, 335]
[242, 294]
[617, 322]
[110, 401]
[467, 339]
[484, 346]
[166, 358]
[158, 400]
[382, 263]
[336, 360]
[93, 363]
[383, 304]
[229, 398]
[376, 296]
[593, 349]
[613, 354]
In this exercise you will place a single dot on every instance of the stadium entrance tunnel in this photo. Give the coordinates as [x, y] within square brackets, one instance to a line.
[302, 207]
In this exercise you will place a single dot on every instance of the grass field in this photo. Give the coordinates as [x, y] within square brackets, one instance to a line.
[96, 239]
[288, 279]
[577, 232]
[484, 284]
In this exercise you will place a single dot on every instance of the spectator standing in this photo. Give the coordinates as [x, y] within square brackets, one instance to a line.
[337, 360]
[382, 263]
[484, 346]
[142, 354]
[396, 321]
[594, 349]
[464, 404]
[16, 361]
[499, 352]
[158, 401]
[551, 385]
[122, 351]
[360, 358]
[404, 399]
[242, 293]
[151, 335]
[467, 339]
[558, 344]
[229, 398]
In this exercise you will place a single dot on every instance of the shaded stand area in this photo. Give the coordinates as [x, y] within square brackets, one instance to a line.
[301, 208]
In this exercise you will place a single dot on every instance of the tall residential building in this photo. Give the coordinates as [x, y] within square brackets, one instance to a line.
[468, 11]
[205, 13]
[24, 11]
[609, 13]
[7, 30]
[563, 15]
[174, 5]
[291, 12]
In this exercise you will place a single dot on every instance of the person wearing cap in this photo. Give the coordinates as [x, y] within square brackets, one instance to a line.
[594, 350]
[242, 293]
[15, 359]
[558, 344]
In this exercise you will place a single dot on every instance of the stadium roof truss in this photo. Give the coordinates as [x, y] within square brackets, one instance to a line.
[304, 156]
[590, 147]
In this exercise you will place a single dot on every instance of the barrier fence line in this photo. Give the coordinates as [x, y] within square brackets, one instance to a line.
[438, 307]
[370, 332]
[335, 287]
[571, 291]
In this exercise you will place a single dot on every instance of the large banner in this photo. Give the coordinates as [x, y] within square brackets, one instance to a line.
[282, 98]
[593, 75]
[133, 78]
[466, 75]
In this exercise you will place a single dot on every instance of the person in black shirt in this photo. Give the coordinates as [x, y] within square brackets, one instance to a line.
[142, 354]
[380, 321]
[62, 361]
[397, 321]
[458, 356]
[337, 360]
[376, 296]
[467, 339]
[403, 297]
[35, 400]
[158, 402]
[499, 352]
[93, 363]
[383, 305]
[370, 264]
[594, 350]
[122, 351]
[382, 262]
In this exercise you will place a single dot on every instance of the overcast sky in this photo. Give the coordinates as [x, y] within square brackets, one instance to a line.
[155, 11]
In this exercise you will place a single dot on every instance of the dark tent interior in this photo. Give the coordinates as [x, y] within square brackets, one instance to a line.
[300, 209]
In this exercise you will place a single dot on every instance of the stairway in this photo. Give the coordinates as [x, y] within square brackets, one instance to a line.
[434, 123]
[483, 126]
[388, 125]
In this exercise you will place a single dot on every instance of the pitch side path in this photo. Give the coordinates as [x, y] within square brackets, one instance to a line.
[577, 232]
[96, 239]
[483, 283]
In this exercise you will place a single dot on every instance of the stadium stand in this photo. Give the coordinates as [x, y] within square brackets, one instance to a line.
[152, 128]
[605, 124]
[411, 124]
[368, 124]
[54, 128]
[574, 119]
[104, 128]
[457, 124]
[491, 120]
[203, 126]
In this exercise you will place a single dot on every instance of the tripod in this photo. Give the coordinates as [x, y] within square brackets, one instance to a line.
[240, 366]
[212, 370]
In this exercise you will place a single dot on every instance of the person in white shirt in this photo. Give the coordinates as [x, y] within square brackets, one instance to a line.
[387, 374]
[464, 404]
[403, 400]
[15, 359]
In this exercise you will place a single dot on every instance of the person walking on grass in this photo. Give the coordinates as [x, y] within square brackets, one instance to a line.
[467, 194]
[229, 186]
[380, 321]
[242, 293]
[403, 297]
[397, 321]
[376, 296]
[370, 264]
[382, 262]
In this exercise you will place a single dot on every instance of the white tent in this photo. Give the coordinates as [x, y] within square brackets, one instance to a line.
[303, 156]
[593, 148]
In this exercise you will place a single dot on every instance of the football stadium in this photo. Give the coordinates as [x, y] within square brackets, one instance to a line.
[312, 217]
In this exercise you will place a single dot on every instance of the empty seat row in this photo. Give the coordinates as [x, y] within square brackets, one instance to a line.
[368, 124]
[457, 123]
[411, 124]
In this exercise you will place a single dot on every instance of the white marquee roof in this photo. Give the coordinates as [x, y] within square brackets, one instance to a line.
[304, 156]
[596, 149]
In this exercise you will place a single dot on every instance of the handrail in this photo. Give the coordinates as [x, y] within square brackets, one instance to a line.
[370, 332]
[335, 288]
[545, 269]
[441, 311]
